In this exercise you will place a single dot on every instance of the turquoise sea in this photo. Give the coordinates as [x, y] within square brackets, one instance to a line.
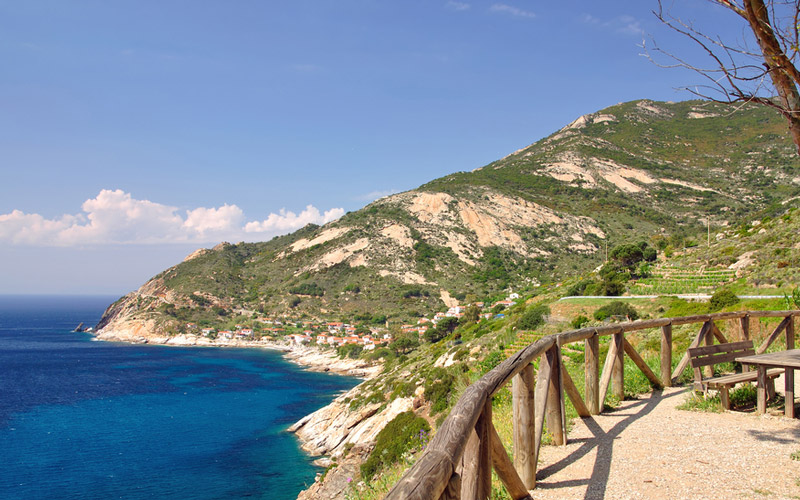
[81, 419]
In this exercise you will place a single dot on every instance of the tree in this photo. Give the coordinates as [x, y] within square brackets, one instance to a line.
[752, 70]
[444, 328]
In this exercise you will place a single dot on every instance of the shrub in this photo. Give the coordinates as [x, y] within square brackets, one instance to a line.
[439, 388]
[579, 321]
[533, 317]
[722, 298]
[308, 289]
[441, 330]
[399, 436]
[616, 308]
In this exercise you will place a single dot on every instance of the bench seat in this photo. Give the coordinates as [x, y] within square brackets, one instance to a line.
[721, 353]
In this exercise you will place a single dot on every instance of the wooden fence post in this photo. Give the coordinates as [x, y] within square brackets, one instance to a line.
[745, 327]
[666, 355]
[592, 377]
[618, 369]
[555, 399]
[477, 475]
[522, 390]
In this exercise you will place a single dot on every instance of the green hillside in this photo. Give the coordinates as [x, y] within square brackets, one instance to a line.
[635, 171]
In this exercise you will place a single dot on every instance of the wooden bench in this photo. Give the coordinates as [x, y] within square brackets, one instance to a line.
[721, 353]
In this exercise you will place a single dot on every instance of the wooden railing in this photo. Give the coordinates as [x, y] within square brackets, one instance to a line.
[458, 462]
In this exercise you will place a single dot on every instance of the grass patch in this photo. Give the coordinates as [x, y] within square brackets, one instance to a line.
[700, 402]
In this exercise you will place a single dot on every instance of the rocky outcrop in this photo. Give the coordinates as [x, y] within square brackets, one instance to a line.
[345, 436]
[318, 360]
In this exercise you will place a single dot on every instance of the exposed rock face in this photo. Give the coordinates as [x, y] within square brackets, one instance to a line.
[330, 430]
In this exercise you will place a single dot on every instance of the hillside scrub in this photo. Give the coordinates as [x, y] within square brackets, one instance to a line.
[618, 309]
[404, 433]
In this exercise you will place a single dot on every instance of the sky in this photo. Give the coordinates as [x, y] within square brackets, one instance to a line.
[134, 132]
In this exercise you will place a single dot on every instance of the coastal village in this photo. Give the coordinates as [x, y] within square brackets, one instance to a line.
[338, 334]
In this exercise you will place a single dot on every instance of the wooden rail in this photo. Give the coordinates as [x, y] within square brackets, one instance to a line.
[458, 462]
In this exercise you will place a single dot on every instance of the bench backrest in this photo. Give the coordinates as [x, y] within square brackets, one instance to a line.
[719, 353]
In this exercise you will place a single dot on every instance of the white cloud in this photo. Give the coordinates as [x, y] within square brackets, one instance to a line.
[286, 221]
[625, 25]
[115, 217]
[457, 6]
[514, 11]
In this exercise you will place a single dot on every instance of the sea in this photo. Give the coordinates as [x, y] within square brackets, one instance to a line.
[84, 419]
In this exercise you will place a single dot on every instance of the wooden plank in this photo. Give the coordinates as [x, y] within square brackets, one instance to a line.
[666, 355]
[790, 334]
[639, 362]
[540, 399]
[574, 394]
[718, 335]
[522, 390]
[684, 362]
[477, 472]
[592, 373]
[605, 377]
[774, 335]
[618, 370]
[722, 357]
[772, 314]
[453, 489]
[555, 395]
[735, 378]
[505, 469]
[716, 348]
[744, 325]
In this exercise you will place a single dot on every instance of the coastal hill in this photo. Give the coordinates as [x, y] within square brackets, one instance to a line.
[539, 215]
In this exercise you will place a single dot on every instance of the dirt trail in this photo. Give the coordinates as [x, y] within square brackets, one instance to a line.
[649, 449]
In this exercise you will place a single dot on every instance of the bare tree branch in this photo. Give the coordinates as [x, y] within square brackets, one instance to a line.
[739, 73]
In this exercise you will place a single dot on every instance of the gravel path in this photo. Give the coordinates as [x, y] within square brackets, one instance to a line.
[648, 449]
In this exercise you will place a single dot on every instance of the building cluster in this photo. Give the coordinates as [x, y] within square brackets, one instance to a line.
[337, 333]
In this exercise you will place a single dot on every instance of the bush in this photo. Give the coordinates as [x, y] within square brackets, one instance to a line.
[308, 289]
[722, 298]
[349, 351]
[579, 321]
[616, 308]
[533, 317]
[399, 436]
[442, 329]
[439, 387]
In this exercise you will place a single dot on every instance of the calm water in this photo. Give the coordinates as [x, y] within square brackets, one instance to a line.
[81, 419]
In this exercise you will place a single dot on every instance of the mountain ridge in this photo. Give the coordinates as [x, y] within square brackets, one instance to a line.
[537, 215]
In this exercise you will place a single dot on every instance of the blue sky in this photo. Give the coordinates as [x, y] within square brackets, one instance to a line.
[132, 132]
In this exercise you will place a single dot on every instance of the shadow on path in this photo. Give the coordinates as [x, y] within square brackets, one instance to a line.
[604, 442]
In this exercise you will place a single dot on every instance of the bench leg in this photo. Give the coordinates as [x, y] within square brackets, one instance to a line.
[723, 397]
[789, 401]
[762, 390]
[770, 388]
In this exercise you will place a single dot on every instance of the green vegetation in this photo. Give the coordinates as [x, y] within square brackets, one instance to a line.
[403, 434]
[622, 310]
